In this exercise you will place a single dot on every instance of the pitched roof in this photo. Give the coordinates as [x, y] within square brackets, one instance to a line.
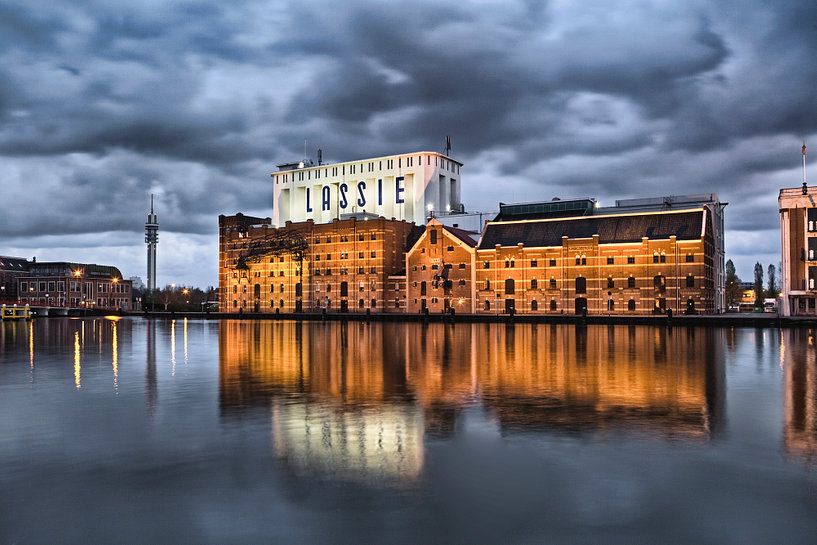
[611, 229]
[465, 236]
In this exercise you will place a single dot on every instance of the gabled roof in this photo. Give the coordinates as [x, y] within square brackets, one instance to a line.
[686, 225]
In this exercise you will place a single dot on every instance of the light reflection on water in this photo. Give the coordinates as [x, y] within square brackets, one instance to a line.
[445, 433]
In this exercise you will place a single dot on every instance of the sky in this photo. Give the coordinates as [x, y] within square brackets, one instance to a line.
[102, 103]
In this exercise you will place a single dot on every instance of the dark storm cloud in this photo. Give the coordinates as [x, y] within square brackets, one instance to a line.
[101, 103]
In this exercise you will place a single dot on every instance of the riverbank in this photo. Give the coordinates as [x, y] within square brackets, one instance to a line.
[719, 320]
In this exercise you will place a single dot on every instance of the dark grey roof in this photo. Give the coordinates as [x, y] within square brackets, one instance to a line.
[611, 229]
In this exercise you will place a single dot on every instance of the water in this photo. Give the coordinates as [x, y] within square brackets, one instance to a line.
[134, 431]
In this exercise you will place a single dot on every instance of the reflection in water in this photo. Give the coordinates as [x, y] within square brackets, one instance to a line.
[173, 348]
[799, 361]
[185, 341]
[356, 399]
[150, 367]
[31, 344]
[77, 348]
[115, 355]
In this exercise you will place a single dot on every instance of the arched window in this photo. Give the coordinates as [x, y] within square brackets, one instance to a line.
[581, 284]
[553, 305]
[578, 259]
[373, 303]
[552, 283]
[534, 305]
[513, 263]
[610, 283]
[360, 303]
[256, 291]
[507, 263]
[584, 259]
[655, 257]
[487, 305]
[631, 305]
[510, 286]
[663, 257]
[534, 284]
[487, 284]
[631, 281]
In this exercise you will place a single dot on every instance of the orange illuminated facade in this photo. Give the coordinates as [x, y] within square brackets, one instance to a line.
[440, 270]
[347, 265]
[643, 263]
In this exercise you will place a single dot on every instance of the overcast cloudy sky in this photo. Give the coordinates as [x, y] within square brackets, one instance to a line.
[103, 102]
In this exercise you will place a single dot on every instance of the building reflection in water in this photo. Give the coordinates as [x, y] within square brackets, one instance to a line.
[798, 356]
[151, 387]
[360, 400]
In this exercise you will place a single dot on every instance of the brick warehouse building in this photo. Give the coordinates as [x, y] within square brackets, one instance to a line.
[639, 263]
[347, 265]
[440, 270]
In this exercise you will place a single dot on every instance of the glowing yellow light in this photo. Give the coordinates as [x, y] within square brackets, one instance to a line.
[185, 341]
[31, 344]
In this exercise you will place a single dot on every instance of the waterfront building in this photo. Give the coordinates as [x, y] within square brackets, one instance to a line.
[440, 270]
[347, 265]
[565, 257]
[11, 268]
[64, 284]
[798, 241]
[407, 186]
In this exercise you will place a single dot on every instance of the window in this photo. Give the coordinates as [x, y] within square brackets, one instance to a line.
[282, 288]
[630, 259]
[663, 257]
[631, 281]
[553, 305]
[374, 236]
[690, 258]
[450, 249]
[584, 260]
[534, 284]
[552, 283]
[611, 305]
[660, 283]
[486, 265]
[509, 286]
[512, 264]
[655, 257]
[487, 304]
[423, 287]
[373, 254]
[581, 284]
[461, 266]
[610, 260]
[534, 305]
[461, 283]
[610, 283]
[690, 281]
[360, 236]
[23, 286]
[552, 262]
[507, 263]
[359, 255]
[578, 260]
[487, 285]
[360, 303]
[373, 303]
[631, 305]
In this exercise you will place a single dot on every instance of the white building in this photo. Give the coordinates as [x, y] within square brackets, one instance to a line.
[406, 187]
[798, 239]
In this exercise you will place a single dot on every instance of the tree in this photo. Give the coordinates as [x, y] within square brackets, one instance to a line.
[732, 283]
[758, 287]
[773, 289]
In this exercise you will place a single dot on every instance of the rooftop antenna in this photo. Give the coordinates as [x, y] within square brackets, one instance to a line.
[320, 156]
[304, 150]
[805, 185]
[447, 145]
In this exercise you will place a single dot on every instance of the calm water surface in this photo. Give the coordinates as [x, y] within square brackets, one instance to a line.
[135, 431]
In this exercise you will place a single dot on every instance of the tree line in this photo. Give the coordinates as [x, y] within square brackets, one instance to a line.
[764, 286]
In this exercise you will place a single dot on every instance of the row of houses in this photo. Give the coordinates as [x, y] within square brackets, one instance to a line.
[557, 257]
[63, 284]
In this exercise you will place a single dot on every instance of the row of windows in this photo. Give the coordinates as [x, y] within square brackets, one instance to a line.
[342, 272]
[345, 255]
[445, 164]
[345, 238]
[57, 286]
[580, 283]
[582, 260]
